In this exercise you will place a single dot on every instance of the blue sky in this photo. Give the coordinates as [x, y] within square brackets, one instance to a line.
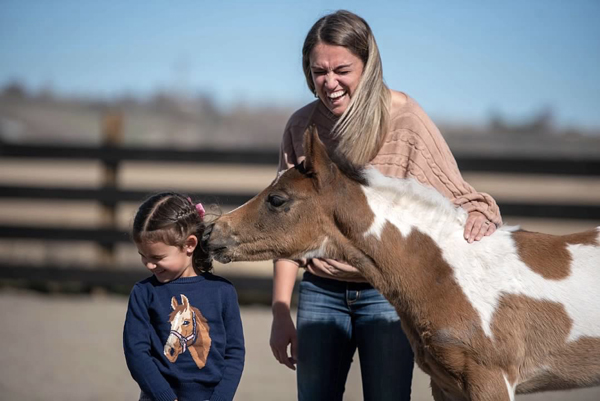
[460, 59]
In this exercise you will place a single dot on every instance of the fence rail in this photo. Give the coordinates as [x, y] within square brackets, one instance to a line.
[115, 154]
[109, 196]
[580, 166]
[112, 196]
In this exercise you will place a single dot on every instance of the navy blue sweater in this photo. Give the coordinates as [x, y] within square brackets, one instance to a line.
[197, 356]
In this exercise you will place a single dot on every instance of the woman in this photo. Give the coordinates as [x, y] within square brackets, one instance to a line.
[338, 310]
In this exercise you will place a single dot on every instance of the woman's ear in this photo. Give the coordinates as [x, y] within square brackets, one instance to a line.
[190, 244]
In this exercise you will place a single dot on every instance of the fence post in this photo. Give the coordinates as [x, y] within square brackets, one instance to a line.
[112, 137]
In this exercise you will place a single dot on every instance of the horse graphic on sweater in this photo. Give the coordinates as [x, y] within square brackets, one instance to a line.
[189, 331]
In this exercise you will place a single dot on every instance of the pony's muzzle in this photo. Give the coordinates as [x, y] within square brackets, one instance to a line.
[170, 352]
[218, 241]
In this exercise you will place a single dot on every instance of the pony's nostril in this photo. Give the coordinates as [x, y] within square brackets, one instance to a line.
[171, 351]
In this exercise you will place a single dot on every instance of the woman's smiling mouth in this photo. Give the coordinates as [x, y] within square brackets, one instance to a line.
[336, 95]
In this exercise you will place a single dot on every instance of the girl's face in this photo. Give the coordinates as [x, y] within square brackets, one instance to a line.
[335, 72]
[168, 262]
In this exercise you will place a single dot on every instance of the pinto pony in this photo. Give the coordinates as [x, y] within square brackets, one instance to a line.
[189, 331]
[516, 312]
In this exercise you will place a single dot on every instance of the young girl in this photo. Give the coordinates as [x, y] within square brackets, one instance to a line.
[183, 337]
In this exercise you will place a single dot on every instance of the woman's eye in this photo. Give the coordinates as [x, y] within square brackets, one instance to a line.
[275, 200]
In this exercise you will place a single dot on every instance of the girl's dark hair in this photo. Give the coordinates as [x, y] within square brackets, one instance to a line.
[170, 217]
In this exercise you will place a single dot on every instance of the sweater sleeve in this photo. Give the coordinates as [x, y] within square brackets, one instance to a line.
[417, 149]
[136, 345]
[234, 349]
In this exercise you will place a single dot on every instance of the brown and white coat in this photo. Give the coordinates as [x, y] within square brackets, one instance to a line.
[513, 313]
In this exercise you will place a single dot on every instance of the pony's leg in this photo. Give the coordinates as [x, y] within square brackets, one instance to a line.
[489, 385]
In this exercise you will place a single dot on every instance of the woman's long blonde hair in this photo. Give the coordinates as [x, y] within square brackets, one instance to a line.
[362, 127]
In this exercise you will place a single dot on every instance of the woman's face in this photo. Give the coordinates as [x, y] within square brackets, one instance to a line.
[335, 72]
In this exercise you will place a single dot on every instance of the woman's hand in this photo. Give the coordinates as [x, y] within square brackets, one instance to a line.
[331, 268]
[283, 333]
[478, 226]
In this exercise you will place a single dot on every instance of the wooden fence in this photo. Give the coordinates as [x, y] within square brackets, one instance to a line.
[111, 156]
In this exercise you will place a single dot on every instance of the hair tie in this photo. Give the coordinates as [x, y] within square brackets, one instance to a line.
[199, 208]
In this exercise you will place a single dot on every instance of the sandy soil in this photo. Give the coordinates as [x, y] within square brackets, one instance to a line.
[59, 347]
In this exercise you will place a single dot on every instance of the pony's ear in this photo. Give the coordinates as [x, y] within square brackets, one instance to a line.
[185, 302]
[316, 163]
[173, 303]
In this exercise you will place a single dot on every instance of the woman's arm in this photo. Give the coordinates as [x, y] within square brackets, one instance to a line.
[285, 271]
[283, 331]
[416, 148]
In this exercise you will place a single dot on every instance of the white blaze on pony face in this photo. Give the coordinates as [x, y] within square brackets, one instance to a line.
[172, 344]
[487, 269]
[181, 322]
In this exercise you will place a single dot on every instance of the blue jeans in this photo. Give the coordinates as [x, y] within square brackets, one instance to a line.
[334, 319]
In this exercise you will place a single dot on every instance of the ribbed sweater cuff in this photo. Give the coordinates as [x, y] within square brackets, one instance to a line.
[167, 395]
[217, 397]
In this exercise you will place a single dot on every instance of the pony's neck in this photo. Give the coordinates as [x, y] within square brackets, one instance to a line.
[404, 244]
[409, 205]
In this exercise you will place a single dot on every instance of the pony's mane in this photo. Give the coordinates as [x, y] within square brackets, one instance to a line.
[410, 187]
[349, 169]
[424, 195]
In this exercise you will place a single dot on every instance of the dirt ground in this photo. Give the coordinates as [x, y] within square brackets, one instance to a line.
[59, 347]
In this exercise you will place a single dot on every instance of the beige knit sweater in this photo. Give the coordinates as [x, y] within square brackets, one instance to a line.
[413, 147]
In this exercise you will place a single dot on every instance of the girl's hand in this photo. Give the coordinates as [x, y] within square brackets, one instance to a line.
[283, 333]
[478, 226]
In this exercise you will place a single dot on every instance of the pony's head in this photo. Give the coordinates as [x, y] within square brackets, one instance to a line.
[307, 211]
[184, 330]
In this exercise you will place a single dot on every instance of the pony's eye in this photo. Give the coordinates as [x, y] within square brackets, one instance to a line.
[276, 200]
[185, 323]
